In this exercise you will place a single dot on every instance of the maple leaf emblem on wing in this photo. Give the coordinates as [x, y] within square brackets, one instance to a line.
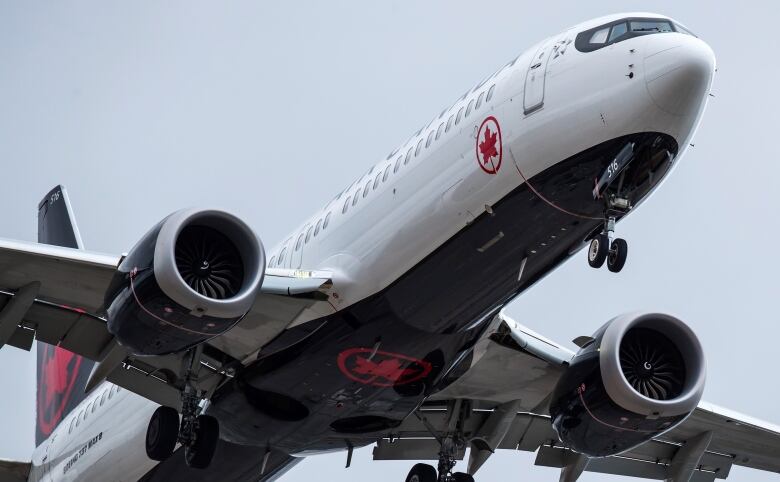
[488, 147]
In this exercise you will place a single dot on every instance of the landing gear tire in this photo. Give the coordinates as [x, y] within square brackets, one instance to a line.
[162, 433]
[198, 455]
[422, 473]
[617, 255]
[598, 251]
[461, 477]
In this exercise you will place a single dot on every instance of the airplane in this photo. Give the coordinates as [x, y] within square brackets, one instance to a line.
[379, 320]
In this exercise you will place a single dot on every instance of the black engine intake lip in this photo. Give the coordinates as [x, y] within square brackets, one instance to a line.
[619, 388]
[243, 238]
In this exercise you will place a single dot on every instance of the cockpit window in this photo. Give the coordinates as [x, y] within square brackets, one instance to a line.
[617, 31]
[681, 29]
[599, 36]
[651, 26]
[624, 29]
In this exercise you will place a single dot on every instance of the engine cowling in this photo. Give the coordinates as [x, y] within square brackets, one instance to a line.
[641, 376]
[192, 277]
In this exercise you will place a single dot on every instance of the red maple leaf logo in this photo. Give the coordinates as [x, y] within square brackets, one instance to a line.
[388, 369]
[488, 147]
[55, 374]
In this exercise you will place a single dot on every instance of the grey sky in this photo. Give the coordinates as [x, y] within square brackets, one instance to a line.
[269, 109]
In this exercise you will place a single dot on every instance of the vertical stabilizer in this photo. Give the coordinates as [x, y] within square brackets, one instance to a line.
[62, 375]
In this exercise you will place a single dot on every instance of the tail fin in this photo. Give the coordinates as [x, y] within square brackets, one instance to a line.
[62, 375]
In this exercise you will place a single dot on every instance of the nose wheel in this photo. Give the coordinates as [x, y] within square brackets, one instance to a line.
[613, 252]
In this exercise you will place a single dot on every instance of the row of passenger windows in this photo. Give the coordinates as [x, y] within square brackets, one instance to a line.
[382, 176]
[414, 151]
[303, 238]
[92, 406]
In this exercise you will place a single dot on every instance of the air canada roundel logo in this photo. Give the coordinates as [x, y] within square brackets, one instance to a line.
[59, 370]
[490, 150]
[381, 368]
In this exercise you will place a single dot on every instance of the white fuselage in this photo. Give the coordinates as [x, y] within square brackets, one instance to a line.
[407, 209]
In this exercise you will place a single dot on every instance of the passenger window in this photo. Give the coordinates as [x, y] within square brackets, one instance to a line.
[439, 130]
[118, 389]
[317, 228]
[469, 107]
[281, 260]
[270, 263]
[103, 397]
[417, 149]
[299, 242]
[490, 93]
[449, 123]
[94, 405]
[79, 417]
[599, 36]
[377, 180]
[479, 100]
[457, 118]
[397, 164]
[72, 424]
[327, 218]
[618, 31]
[408, 156]
[308, 231]
[430, 139]
[346, 205]
[355, 199]
[386, 174]
[367, 188]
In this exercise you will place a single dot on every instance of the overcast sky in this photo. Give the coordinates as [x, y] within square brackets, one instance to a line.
[269, 109]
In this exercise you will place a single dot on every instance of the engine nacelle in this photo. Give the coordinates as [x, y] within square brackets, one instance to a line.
[641, 376]
[192, 277]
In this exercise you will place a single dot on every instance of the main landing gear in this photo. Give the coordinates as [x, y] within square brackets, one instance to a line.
[602, 249]
[197, 433]
[451, 443]
[426, 473]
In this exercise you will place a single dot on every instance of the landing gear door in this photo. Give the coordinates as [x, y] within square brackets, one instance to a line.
[533, 98]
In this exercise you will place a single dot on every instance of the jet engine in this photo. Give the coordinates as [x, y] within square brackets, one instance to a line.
[192, 277]
[639, 376]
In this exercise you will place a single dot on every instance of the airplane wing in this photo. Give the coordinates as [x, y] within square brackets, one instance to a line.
[507, 384]
[11, 471]
[55, 295]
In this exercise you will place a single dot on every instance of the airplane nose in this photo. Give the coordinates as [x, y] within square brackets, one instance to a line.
[678, 72]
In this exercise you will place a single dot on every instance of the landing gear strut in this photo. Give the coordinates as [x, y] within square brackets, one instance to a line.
[197, 433]
[602, 249]
[452, 443]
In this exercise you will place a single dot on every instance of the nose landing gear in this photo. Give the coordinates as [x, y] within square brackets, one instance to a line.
[602, 249]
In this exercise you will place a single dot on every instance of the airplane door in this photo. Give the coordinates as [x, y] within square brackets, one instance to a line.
[533, 98]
